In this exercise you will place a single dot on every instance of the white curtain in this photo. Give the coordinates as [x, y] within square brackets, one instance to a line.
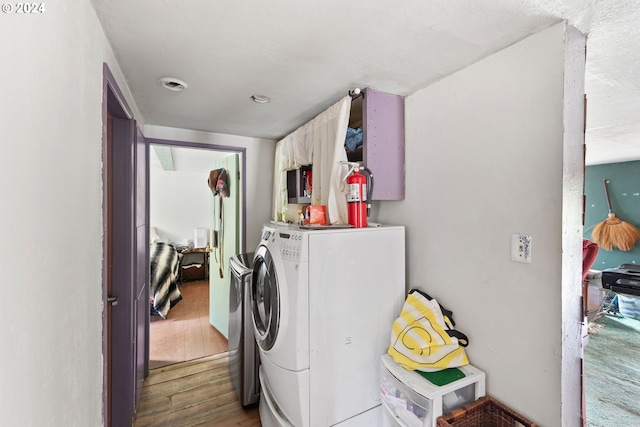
[320, 143]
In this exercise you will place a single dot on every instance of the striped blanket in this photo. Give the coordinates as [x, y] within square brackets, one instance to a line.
[163, 278]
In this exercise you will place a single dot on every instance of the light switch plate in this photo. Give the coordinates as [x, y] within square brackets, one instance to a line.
[521, 248]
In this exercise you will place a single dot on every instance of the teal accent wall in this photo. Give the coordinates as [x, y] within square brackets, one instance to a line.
[624, 192]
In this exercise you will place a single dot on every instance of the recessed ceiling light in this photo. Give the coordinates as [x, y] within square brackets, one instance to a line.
[172, 83]
[260, 99]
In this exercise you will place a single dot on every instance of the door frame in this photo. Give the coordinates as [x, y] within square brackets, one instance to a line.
[242, 181]
[215, 147]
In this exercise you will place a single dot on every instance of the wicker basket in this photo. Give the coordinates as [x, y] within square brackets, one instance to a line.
[484, 412]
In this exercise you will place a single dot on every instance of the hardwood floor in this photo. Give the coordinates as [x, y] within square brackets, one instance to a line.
[191, 394]
[186, 334]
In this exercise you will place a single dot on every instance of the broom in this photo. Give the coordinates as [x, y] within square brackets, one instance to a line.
[614, 232]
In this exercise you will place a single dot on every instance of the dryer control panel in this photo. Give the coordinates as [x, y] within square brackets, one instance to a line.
[290, 244]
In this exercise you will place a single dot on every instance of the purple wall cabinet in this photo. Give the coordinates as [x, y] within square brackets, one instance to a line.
[381, 116]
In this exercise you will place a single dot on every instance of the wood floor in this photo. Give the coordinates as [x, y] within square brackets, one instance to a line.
[186, 334]
[191, 394]
[189, 383]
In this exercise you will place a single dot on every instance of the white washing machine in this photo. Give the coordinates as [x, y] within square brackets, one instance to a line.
[323, 302]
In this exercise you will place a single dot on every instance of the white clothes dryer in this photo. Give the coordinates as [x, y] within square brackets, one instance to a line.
[323, 302]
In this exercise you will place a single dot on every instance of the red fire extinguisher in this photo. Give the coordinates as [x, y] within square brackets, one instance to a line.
[359, 195]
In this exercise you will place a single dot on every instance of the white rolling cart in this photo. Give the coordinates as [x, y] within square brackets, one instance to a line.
[410, 400]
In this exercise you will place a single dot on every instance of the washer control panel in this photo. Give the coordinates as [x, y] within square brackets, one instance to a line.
[290, 244]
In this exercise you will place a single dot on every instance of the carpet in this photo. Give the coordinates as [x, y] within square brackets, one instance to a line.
[612, 372]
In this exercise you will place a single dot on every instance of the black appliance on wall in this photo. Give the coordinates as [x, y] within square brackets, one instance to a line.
[624, 279]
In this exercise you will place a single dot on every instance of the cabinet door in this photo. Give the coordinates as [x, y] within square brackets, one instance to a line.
[383, 143]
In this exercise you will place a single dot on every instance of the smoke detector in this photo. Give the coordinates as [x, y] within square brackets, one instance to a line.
[173, 84]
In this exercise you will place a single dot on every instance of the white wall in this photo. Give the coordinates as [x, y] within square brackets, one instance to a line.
[259, 173]
[179, 201]
[51, 215]
[484, 159]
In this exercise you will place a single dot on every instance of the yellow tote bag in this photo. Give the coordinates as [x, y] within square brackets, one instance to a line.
[424, 339]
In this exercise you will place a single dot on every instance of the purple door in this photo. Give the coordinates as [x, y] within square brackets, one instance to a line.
[122, 374]
[126, 258]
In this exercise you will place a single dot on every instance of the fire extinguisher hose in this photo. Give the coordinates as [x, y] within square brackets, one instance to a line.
[369, 190]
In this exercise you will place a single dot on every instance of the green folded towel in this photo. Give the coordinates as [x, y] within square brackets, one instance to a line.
[443, 377]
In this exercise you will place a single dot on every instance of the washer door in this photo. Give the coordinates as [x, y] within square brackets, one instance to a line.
[265, 300]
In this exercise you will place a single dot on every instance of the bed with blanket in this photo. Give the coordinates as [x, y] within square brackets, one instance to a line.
[163, 278]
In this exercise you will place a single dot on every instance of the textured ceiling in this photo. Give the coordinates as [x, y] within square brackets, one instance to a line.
[305, 55]
[613, 82]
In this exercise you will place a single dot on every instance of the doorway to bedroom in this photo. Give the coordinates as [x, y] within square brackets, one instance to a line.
[185, 217]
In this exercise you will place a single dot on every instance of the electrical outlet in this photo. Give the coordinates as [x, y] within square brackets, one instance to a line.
[521, 248]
